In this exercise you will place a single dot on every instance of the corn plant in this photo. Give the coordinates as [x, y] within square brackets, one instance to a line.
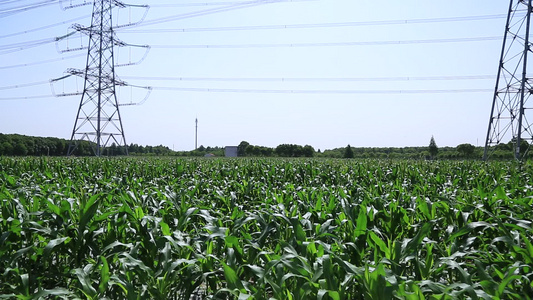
[132, 228]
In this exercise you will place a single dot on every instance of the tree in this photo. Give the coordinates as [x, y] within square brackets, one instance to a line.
[250, 150]
[8, 148]
[348, 152]
[308, 151]
[241, 149]
[466, 150]
[20, 149]
[283, 150]
[433, 149]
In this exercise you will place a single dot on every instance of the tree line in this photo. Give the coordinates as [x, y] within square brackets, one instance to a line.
[21, 145]
[283, 150]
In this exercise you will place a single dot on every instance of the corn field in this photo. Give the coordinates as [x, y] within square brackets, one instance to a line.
[126, 228]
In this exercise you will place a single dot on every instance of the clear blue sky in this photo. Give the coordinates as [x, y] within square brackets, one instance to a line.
[315, 113]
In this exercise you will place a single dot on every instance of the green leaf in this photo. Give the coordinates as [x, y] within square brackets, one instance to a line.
[54, 208]
[505, 282]
[334, 295]
[233, 280]
[299, 231]
[231, 241]
[88, 212]
[329, 272]
[52, 292]
[85, 280]
[165, 229]
[468, 228]
[414, 244]
[10, 180]
[104, 275]
[361, 223]
[52, 244]
[380, 243]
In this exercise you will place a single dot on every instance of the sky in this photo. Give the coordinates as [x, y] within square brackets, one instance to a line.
[326, 73]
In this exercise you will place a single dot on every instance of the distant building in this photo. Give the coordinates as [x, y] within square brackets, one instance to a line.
[209, 155]
[230, 151]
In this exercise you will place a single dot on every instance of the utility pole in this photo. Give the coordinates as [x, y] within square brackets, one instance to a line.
[509, 115]
[98, 120]
[196, 136]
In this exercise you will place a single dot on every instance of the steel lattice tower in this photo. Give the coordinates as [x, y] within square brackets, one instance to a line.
[509, 116]
[98, 119]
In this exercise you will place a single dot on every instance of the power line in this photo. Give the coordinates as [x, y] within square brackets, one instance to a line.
[214, 3]
[10, 48]
[316, 79]
[24, 45]
[26, 97]
[258, 91]
[24, 85]
[44, 27]
[269, 91]
[209, 11]
[14, 10]
[331, 44]
[473, 77]
[5, 2]
[324, 25]
[28, 5]
[41, 62]
[278, 91]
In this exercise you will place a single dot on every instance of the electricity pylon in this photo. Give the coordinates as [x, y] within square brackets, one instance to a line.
[98, 120]
[509, 116]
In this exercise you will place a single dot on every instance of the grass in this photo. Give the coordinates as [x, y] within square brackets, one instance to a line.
[264, 228]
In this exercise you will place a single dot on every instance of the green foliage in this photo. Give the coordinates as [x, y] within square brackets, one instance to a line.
[466, 150]
[432, 148]
[291, 150]
[283, 150]
[416, 153]
[257, 151]
[348, 152]
[20, 145]
[148, 228]
[241, 149]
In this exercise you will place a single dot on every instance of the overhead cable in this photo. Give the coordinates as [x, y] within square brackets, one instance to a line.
[264, 91]
[268, 79]
[26, 97]
[269, 91]
[44, 27]
[14, 10]
[5, 2]
[257, 91]
[331, 44]
[322, 25]
[42, 62]
[9, 48]
[214, 3]
[315, 79]
[23, 85]
[5, 49]
[208, 11]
